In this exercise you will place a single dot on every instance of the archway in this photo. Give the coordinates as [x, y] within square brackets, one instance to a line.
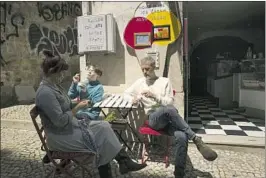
[251, 35]
[206, 52]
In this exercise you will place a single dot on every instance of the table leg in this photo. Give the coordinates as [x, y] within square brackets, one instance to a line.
[134, 132]
[124, 116]
[121, 138]
[118, 134]
[103, 113]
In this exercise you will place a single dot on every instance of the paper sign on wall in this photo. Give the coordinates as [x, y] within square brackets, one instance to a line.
[96, 33]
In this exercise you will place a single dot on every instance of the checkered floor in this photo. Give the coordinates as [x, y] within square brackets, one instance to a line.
[207, 118]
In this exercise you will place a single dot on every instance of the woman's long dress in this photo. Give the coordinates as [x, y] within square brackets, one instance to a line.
[63, 131]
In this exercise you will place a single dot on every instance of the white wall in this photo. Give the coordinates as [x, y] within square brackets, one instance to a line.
[252, 99]
[236, 87]
[222, 89]
[122, 69]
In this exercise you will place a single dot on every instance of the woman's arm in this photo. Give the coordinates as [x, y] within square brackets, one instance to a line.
[48, 103]
[75, 110]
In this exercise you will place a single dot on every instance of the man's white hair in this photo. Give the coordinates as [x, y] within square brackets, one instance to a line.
[148, 59]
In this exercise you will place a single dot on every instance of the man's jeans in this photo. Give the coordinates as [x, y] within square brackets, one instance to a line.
[166, 118]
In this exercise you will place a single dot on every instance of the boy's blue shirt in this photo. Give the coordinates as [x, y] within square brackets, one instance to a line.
[94, 93]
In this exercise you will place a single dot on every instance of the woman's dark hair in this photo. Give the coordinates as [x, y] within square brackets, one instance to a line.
[53, 64]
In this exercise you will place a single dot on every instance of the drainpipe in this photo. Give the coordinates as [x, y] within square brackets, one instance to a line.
[86, 8]
[186, 60]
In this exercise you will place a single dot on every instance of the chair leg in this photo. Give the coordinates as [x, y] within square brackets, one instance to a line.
[50, 173]
[83, 168]
[82, 163]
[54, 172]
[63, 169]
[167, 152]
[82, 172]
[145, 154]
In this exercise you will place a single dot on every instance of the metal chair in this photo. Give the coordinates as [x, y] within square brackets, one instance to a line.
[146, 131]
[77, 158]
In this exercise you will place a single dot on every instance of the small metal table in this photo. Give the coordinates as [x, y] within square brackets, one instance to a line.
[117, 101]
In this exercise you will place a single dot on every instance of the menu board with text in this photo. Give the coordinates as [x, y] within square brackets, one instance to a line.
[92, 33]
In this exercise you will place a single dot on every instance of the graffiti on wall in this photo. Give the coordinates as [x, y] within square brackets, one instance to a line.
[58, 11]
[11, 19]
[41, 38]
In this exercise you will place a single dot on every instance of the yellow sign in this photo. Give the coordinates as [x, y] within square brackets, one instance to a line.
[167, 27]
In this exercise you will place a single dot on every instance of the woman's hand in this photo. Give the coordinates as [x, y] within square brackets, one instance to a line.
[83, 103]
[80, 105]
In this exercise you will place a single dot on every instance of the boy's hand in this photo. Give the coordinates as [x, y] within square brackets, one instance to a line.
[76, 78]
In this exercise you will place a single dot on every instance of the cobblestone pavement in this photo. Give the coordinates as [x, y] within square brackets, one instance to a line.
[21, 158]
[12, 112]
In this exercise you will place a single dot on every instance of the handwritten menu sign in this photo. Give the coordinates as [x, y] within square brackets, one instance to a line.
[147, 8]
[94, 33]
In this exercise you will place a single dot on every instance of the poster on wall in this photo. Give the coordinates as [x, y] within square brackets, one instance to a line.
[161, 32]
[167, 28]
[142, 39]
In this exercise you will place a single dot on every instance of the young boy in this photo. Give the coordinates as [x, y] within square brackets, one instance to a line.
[91, 90]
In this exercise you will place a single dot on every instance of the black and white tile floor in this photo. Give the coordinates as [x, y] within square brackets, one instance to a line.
[207, 118]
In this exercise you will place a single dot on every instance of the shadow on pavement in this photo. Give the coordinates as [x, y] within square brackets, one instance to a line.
[19, 165]
[27, 164]
[191, 172]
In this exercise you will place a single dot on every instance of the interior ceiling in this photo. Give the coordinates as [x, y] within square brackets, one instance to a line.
[209, 16]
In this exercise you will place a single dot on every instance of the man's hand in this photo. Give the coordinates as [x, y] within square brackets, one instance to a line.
[135, 101]
[148, 94]
[76, 78]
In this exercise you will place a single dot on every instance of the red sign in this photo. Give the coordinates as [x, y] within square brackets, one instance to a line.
[135, 26]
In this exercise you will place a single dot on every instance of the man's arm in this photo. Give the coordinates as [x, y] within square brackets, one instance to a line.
[132, 92]
[168, 97]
